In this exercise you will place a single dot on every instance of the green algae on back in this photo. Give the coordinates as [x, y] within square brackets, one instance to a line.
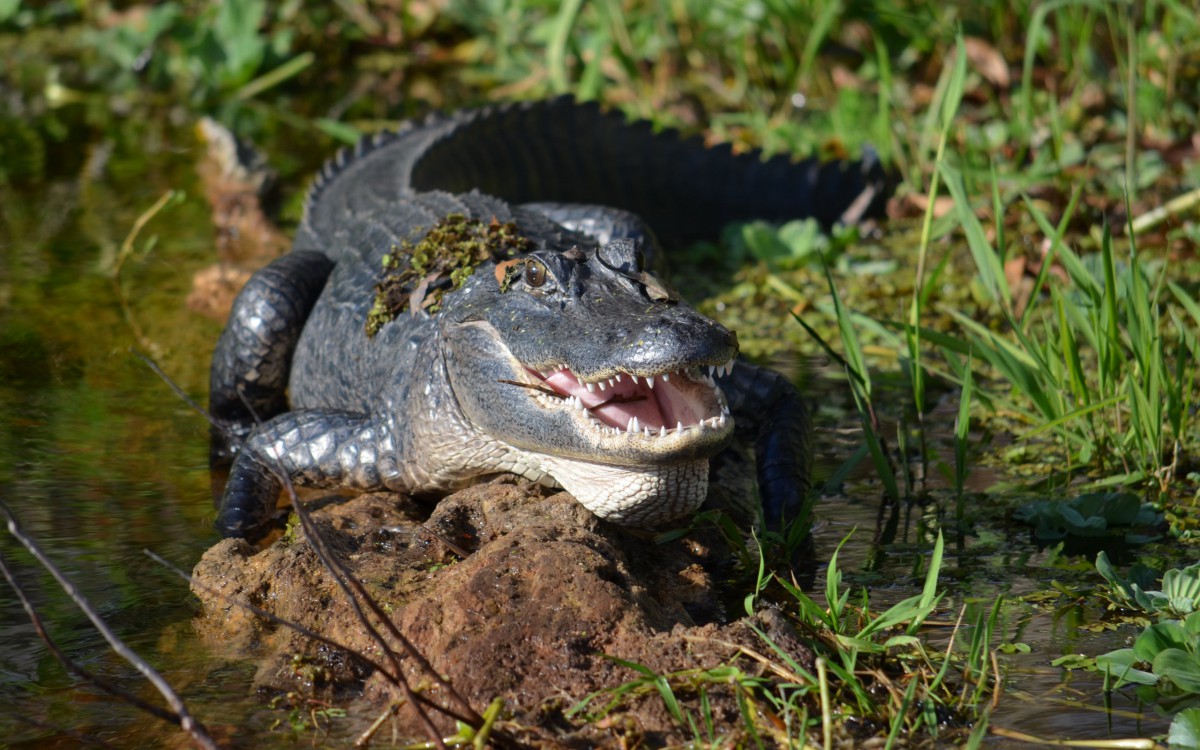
[416, 275]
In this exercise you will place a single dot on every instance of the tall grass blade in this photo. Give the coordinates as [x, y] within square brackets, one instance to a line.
[987, 259]
[962, 431]
[556, 51]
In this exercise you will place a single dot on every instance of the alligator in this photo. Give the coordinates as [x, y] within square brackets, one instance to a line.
[483, 292]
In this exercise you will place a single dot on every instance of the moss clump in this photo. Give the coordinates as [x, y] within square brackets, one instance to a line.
[417, 274]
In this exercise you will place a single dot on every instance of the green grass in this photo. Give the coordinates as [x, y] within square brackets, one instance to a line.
[859, 654]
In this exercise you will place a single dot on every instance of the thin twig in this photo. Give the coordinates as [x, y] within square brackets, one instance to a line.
[533, 387]
[1133, 743]
[616, 398]
[1177, 205]
[123, 254]
[183, 396]
[71, 665]
[187, 722]
[779, 670]
[345, 582]
[365, 738]
[297, 627]
[999, 690]
[351, 586]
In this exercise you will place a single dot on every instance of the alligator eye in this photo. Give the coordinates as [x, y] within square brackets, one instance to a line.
[535, 273]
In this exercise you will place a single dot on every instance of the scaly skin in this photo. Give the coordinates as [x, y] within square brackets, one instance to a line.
[541, 365]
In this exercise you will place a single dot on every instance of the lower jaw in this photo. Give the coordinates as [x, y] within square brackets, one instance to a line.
[641, 496]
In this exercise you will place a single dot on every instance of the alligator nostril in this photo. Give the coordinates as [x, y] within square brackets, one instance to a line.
[731, 339]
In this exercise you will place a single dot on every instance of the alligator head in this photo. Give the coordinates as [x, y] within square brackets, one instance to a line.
[589, 361]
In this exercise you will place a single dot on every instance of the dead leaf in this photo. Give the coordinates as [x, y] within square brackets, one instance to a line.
[1014, 270]
[990, 64]
[502, 269]
[416, 298]
[920, 201]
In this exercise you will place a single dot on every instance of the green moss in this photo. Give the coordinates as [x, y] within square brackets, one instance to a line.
[419, 273]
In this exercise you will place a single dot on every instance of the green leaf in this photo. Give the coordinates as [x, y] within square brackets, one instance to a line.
[1119, 664]
[8, 9]
[1184, 733]
[341, 131]
[1182, 588]
[1179, 667]
[668, 699]
[987, 260]
[1159, 637]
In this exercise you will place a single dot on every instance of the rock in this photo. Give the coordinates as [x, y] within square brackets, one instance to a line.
[544, 593]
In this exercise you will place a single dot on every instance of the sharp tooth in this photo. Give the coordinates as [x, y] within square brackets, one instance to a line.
[725, 409]
[701, 425]
[662, 432]
[601, 384]
[645, 432]
[590, 386]
[629, 427]
[650, 381]
[612, 383]
[711, 370]
[633, 421]
[618, 377]
[666, 376]
[679, 426]
[721, 420]
[635, 379]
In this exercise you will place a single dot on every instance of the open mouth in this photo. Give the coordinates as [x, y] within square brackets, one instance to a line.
[668, 403]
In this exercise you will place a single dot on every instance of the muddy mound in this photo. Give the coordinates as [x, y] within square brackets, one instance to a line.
[543, 596]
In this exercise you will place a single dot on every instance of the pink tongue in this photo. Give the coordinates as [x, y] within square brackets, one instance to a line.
[625, 400]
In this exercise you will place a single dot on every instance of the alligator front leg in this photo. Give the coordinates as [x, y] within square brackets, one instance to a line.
[312, 448]
[254, 354]
[767, 407]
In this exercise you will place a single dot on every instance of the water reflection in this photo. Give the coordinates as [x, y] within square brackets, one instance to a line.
[97, 457]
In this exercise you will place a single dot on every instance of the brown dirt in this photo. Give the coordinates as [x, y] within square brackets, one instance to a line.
[544, 592]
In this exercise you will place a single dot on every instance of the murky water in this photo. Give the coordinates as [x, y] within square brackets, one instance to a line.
[100, 460]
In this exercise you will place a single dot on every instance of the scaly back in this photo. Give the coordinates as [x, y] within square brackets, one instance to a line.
[563, 151]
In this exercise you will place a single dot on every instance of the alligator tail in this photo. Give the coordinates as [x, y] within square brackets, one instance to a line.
[564, 151]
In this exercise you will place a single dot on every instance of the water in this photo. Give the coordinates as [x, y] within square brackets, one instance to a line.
[100, 460]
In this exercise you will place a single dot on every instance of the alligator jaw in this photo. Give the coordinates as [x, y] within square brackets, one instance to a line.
[664, 409]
